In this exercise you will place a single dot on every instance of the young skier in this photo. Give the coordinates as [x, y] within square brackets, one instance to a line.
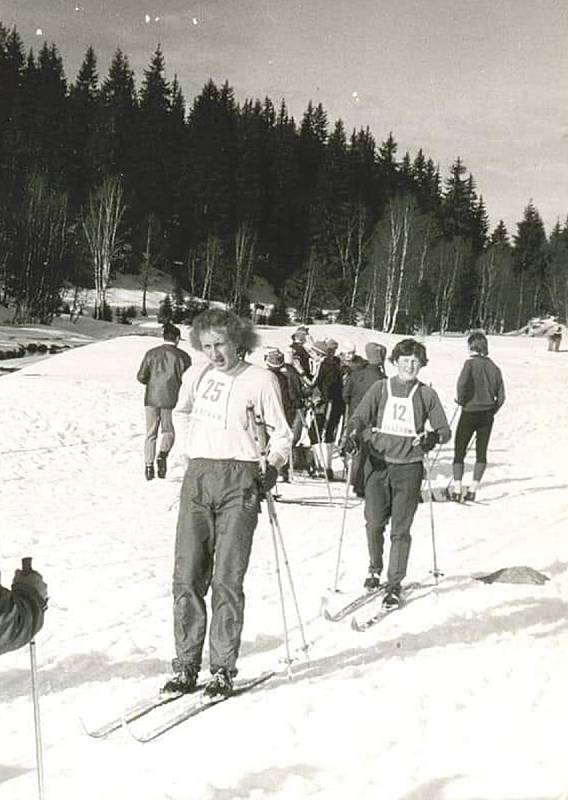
[391, 418]
[21, 609]
[480, 393]
[161, 371]
[220, 495]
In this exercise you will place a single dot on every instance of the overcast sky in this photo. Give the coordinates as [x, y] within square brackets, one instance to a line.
[485, 80]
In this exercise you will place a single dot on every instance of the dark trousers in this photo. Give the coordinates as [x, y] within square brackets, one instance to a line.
[218, 513]
[470, 422]
[392, 491]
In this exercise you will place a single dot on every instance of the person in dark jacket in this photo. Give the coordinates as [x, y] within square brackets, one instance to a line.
[326, 401]
[21, 609]
[392, 417]
[161, 371]
[298, 345]
[356, 384]
[480, 393]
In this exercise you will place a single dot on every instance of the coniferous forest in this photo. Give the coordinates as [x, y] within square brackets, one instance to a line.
[107, 174]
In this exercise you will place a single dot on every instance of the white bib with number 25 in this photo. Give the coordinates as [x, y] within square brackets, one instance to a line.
[398, 416]
[212, 398]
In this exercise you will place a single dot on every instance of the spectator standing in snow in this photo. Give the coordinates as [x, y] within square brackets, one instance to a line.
[298, 345]
[480, 393]
[356, 384]
[220, 495]
[326, 402]
[161, 371]
[391, 417]
[554, 336]
[22, 609]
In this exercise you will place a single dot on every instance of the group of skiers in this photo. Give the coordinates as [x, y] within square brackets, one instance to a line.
[313, 396]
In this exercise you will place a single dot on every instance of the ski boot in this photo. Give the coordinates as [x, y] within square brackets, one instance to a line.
[221, 684]
[391, 600]
[161, 463]
[149, 472]
[183, 682]
[372, 581]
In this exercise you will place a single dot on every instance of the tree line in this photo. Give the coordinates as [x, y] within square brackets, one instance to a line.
[98, 175]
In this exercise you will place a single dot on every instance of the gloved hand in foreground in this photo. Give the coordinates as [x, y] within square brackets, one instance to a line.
[268, 478]
[30, 581]
[428, 440]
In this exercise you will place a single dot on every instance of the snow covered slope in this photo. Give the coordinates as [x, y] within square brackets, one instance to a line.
[459, 696]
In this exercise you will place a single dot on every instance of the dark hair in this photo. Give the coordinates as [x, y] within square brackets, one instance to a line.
[409, 347]
[240, 331]
[477, 341]
[170, 332]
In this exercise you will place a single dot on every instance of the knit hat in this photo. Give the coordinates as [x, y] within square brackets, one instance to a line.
[375, 353]
[331, 344]
[347, 346]
[274, 358]
[320, 348]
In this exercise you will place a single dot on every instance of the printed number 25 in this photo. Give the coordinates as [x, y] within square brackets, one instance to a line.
[213, 391]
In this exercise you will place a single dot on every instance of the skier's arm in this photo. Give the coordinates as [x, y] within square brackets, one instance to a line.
[143, 374]
[463, 384]
[437, 418]
[21, 611]
[500, 399]
[273, 414]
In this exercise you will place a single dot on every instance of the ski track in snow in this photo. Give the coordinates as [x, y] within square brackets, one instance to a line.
[459, 696]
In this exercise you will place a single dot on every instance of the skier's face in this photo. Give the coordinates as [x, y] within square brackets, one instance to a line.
[408, 368]
[219, 349]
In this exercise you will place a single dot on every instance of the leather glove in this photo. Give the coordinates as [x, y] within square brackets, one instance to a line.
[428, 441]
[30, 582]
[351, 444]
[268, 478]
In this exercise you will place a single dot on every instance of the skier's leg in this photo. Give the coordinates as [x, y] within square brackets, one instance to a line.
[236, 518]
[483, 434]
[192, 566]
[464, 431]
[152, 416]
[377, 512]
[167, 429]
[405, 482]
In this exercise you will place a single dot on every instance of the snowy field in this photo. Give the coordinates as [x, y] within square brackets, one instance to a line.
[462, 695]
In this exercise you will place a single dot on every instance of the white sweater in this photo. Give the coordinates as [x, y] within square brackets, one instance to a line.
[214, 405]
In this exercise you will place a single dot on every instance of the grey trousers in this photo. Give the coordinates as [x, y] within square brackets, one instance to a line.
[218, 513]
[157, 418]
[391, 492]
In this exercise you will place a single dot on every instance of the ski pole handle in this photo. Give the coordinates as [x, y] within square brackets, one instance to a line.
[26, 564]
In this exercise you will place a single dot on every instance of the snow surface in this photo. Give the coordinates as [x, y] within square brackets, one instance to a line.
[460, 696]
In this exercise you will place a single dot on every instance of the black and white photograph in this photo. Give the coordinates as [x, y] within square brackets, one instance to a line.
[283, 416]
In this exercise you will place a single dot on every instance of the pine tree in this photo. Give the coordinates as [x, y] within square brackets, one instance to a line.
[82, 118]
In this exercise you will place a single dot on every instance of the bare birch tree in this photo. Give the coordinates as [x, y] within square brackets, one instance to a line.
[101, 222]
[39, 236]
[245, 246]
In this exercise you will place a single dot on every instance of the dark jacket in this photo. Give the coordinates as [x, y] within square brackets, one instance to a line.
[161, 371]
[303, 357]
[358, 381]
[480, 385]
[328, 385]
[21, 617]
[295, 386]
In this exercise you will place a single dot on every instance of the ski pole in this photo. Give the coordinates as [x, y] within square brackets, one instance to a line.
[440, 444]
[343, 521]
[27, 567]
[262, 460]
[260, 439]
[435, 572]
